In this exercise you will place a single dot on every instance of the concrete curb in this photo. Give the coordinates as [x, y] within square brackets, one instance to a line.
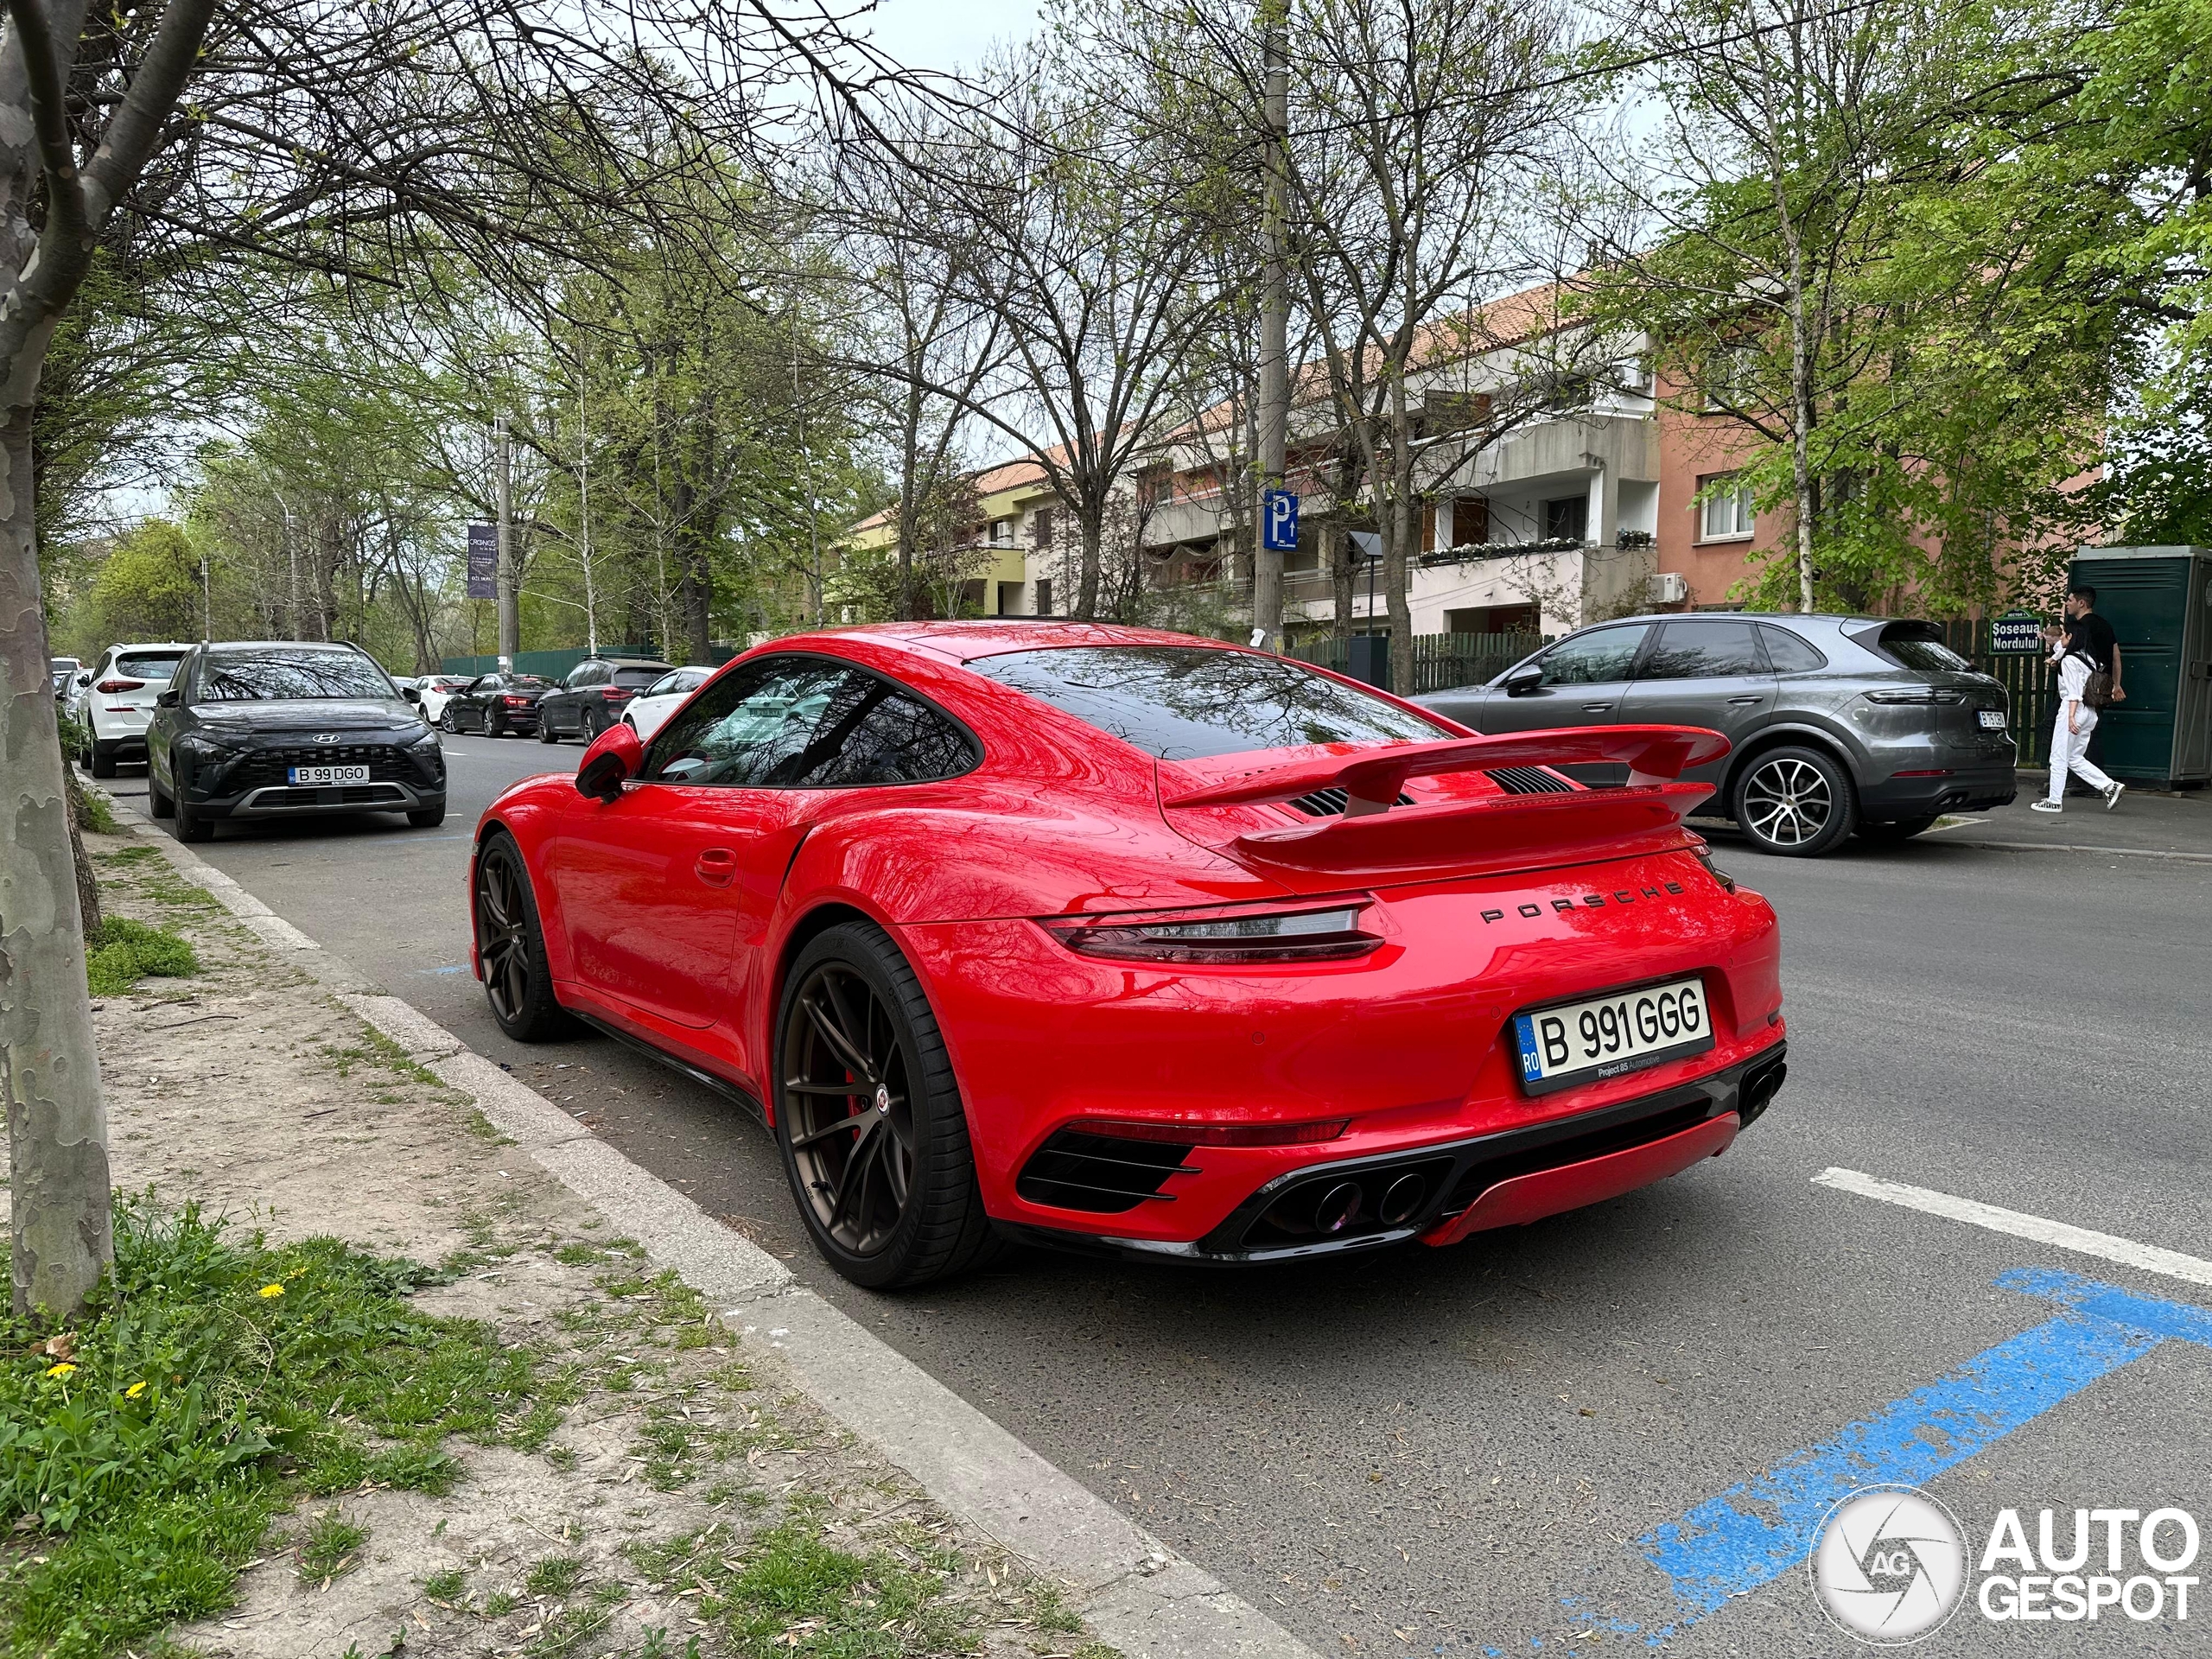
[1134, 1592]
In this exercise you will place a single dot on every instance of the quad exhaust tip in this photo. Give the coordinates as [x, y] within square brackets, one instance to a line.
[1340, 1207]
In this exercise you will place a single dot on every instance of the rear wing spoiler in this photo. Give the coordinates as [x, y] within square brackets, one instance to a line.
[1372, 778]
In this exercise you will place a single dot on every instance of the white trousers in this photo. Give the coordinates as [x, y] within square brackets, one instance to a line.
[2069, 752]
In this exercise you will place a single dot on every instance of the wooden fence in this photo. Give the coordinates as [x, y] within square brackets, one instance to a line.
[1441, 661]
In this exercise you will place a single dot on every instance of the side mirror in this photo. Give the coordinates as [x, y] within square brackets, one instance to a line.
[165, 699]
[411, 694]
[1522, 681]
[86, 678]
[614, 756]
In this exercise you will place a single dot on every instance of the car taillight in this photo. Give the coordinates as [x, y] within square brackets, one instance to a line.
[1222, 1135]
[615, 693]
[1916, 694]
[1315, 933]
[516, 702]
[113, 686]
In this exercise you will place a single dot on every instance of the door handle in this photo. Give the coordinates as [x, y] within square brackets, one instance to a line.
[1756, 697]
[1595, 708]
[716, 867]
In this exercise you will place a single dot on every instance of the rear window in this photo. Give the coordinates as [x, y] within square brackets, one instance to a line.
[1184, 702]
[527, 683]
[1913, 646]
[280, 675]
[639, 677]
[150, 665]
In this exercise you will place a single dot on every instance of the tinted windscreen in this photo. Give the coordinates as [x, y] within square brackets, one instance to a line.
[527, 683]
[278, 674]
[638, 678]
[1181, 703]
[150, 666]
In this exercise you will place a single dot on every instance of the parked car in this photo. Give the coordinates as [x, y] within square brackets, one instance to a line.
[436, 689]
[1141, 944]
[497, 705]
[1835, 723]
[113, 701]
[63, 669]
[645, 711]
[280, 729]
[593, 696]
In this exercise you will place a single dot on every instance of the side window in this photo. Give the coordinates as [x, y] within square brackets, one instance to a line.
[797, 722]
[584, 673]
[1703, 650]
[1789, 654]
[1594, 658]
[482, 682]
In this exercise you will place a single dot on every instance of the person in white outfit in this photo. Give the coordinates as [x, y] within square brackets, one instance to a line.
[2069, 736]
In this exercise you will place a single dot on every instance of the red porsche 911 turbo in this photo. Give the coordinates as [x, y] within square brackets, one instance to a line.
[1133, 941]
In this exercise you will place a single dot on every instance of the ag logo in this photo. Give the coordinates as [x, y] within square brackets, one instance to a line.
[1889, 1565]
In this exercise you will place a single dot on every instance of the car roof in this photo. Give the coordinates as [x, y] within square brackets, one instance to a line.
[1811, 621]
[964, 641]
[285, 644]
[157, 644]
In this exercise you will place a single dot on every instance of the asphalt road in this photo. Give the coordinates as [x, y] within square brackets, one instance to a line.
[1476, 1450]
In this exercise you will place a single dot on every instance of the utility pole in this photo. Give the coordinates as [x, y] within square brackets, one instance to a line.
[510, 579]
[1274, 389]
[292, 554]
[207, 602]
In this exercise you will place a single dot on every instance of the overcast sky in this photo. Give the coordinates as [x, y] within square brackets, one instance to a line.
[946, 33]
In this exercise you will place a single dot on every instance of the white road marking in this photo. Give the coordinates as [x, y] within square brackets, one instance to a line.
[2172, 1264]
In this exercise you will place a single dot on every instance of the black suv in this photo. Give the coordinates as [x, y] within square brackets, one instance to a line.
[591, 699]
[1839, 723]
[280, 729]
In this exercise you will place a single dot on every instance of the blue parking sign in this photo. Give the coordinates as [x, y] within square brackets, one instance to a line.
[1278, 521]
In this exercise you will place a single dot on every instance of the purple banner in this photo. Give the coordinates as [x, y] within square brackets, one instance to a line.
[483, 562]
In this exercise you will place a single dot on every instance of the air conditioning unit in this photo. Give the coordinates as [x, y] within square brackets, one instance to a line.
[1666, 587]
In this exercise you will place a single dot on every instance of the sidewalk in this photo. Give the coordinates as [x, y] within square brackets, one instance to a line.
[657, 1447]
[2151, 824]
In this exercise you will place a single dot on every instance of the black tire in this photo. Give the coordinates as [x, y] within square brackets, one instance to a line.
[1900, 829]
[518, 982]
[190, 826]
[587, 727]
[103, 758]
[495, 723]
[545, 727]
[157, 798]
[1795, 803]
[429, 818]
[445, 720]
[897, 1204]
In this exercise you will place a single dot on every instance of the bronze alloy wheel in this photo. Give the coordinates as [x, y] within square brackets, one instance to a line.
[503, 935]
[848, 1094]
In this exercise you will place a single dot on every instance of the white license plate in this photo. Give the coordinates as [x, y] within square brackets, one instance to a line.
[1579, 1042]
[328, 774]
[1993, 720]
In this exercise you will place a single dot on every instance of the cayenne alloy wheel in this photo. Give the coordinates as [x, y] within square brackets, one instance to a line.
[511, 947]
[869, 1120]
[1795, 803]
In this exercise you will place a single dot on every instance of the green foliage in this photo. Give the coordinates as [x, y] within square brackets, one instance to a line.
[147, 588]
[122, 952]
[213, 1375]
[331, 1547]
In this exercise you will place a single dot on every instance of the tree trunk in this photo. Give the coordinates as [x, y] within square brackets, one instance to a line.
[49, 1067]
[1086, 604]
[88, 884]
[1801, 428]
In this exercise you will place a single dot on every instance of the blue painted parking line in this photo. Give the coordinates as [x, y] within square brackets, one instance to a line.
[1757, 1531]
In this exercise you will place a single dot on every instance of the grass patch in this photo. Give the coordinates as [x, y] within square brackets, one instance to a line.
[121, 952]
[214, 1379]
[94, 814]
[447, 1587]
[331, 1547]
[792, 1593]
[557, 1575]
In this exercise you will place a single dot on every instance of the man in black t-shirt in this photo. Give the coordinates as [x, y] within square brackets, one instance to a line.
[2095, 637]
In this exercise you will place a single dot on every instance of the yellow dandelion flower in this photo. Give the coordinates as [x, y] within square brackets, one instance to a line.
[134, 1390]
[272, 1290]
[62, 1370]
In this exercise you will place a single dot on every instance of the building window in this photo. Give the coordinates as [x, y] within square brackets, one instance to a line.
[1731, 373]
[1040, 527]
[1002, 532]
[1566, 519]
[1044, 595]
[1727, 508]
[1470, 521]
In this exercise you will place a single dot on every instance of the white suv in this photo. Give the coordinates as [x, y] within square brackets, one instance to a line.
[113, 699]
